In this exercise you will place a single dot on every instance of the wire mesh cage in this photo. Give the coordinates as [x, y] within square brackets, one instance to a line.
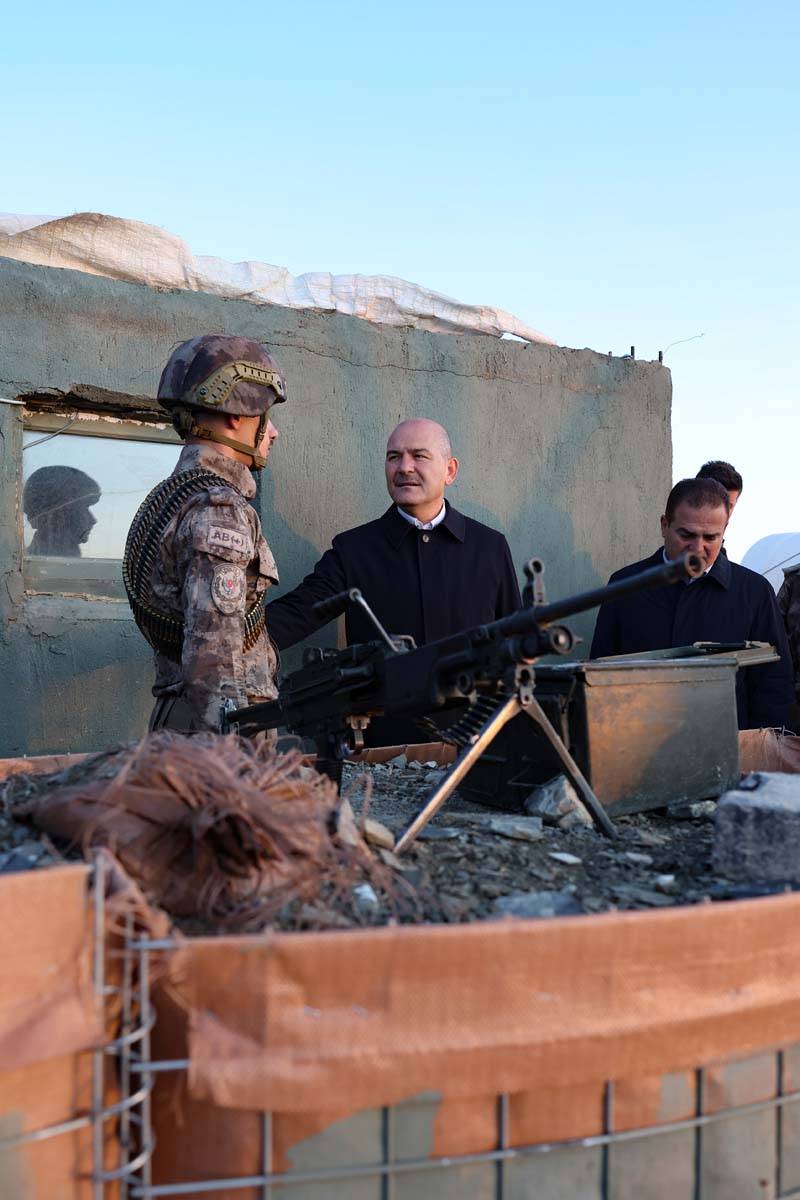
[741, 1138]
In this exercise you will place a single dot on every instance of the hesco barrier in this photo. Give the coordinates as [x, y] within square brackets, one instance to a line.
[602, 1058]
[74, 1023]
[610, 1057]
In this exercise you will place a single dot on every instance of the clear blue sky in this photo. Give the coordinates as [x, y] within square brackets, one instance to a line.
[613, 175]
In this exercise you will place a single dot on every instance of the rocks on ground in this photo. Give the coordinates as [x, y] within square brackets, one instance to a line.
[757, 829]
[471, 863]
[484, 864]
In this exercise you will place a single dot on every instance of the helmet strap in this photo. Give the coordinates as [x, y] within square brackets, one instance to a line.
[211, 435]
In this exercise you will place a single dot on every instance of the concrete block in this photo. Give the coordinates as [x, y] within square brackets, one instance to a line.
[355, 1141]
[757, 829]
[789, 1119]
[738, 1153]
[575, 1173]
[659, 1167]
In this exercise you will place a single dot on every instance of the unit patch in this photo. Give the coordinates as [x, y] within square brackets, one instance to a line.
[228, 588]
[229, 539]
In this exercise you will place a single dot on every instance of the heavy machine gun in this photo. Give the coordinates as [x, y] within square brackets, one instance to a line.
[485, 674]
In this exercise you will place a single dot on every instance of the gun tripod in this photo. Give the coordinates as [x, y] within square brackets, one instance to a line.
[522, 700]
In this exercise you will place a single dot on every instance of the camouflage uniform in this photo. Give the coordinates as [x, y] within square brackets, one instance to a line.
[789, 605]
[196, 565]
[213, 563]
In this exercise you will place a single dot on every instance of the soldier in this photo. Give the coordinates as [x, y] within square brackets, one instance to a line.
[789, 605]
[57, 502]
[196, 565]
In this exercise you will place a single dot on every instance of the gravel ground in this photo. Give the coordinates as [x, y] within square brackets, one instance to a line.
[472, 863]
[656, 861]
[23, 848]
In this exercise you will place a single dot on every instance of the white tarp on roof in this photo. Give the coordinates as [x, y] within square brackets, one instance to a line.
[138, 253]
[772, 554]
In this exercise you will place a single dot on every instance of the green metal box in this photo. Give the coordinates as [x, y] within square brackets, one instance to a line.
[647, 731]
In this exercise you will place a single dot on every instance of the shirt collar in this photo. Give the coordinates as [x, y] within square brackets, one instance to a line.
[202, 456]
[720, 571]
[396, 528]
[437, 520]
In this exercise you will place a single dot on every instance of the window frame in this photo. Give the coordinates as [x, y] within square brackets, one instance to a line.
[84, 578]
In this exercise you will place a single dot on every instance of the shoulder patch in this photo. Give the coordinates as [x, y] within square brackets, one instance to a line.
[224, 533]
[228, 589]
[229, 539]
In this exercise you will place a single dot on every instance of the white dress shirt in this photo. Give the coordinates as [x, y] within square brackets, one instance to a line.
[437, 520]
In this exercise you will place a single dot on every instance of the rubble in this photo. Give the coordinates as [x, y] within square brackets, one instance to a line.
[699, 810]
[666, 883]
[466, 861]
[757, 829]
[557, 803]
[16, 845]
[524, 829]
[537, 904]
[569, 860]
[376, 834]
[221, 833]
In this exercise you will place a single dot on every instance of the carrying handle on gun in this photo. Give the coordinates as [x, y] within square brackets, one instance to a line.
[533, 593]
[332, 606]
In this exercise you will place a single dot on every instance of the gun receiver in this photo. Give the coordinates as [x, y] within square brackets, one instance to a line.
[335, 693]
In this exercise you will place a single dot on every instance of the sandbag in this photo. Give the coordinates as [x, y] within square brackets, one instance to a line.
[769, 750]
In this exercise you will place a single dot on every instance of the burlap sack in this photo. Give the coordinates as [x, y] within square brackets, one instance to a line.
[769, 750]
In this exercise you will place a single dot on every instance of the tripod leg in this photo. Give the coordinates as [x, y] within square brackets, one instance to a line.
[571, 769]
[507, 711]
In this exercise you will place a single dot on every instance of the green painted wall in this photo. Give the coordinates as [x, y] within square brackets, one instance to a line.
[567, 451]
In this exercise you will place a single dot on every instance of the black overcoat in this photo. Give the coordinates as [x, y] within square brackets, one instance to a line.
[728, 604]
[427, 583]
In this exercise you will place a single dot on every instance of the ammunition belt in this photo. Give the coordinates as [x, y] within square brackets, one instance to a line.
[164, 631]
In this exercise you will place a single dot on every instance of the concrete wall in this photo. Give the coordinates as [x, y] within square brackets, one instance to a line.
[567, 451]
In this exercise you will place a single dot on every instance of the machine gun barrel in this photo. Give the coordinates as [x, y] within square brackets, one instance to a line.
[688, 566]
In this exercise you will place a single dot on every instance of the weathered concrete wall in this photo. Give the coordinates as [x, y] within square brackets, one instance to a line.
[567, 451]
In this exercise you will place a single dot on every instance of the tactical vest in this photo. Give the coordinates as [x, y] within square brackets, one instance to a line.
[164, 631]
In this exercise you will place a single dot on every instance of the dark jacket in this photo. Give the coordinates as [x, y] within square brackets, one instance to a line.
[729, 604]
[425, 583]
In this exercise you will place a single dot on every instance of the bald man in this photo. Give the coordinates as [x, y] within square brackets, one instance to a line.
[425, 568]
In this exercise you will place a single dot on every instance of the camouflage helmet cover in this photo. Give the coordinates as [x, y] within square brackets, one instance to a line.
[222, 373]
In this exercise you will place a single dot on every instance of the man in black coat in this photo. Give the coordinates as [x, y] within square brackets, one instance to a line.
[424, 568]
[728, 603]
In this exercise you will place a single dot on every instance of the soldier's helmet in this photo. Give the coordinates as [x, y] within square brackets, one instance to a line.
[221, 373]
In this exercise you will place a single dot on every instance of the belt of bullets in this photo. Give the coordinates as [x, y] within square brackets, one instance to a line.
[164, 631]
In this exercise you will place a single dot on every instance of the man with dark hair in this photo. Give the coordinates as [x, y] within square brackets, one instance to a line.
[725, 474]
[728, 603]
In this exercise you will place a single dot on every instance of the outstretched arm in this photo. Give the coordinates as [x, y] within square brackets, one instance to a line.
[291, 618]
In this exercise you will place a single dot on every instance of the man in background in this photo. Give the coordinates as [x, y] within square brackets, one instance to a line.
[728, 603]
[725, 474]
[425, 568]
[789, 607]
